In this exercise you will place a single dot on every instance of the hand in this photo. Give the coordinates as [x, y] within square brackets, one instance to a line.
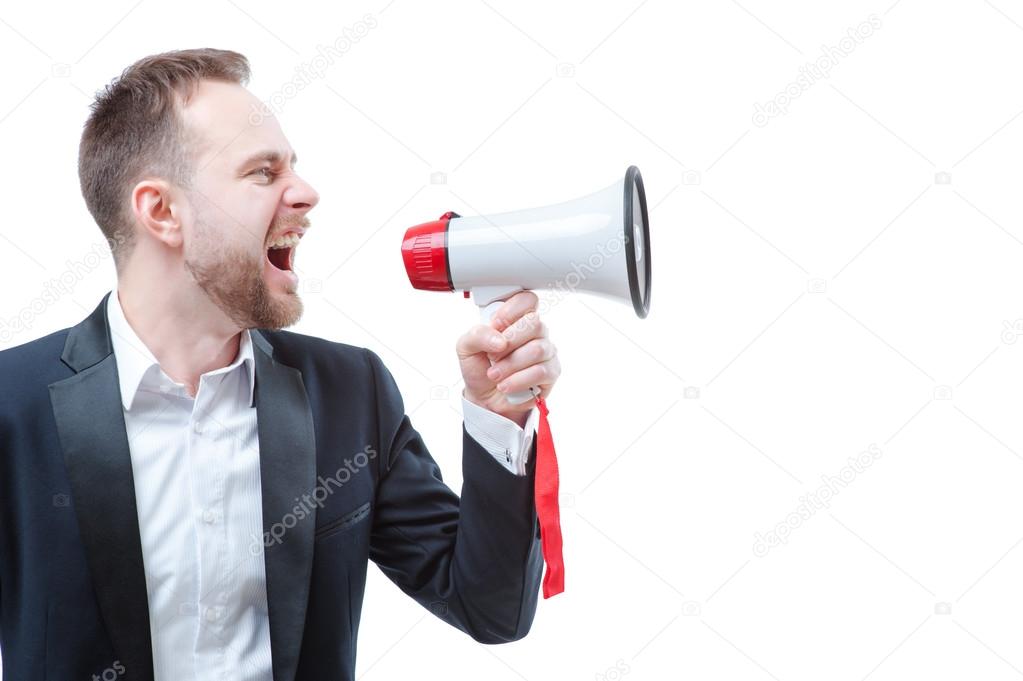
[523, 356]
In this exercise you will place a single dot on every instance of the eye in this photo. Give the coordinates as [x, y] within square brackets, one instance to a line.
[265, 172]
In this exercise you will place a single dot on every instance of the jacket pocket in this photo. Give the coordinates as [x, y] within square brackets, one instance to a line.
[343, 523]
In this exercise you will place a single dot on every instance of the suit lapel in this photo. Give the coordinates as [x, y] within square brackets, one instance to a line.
[90, 424]
[287, 467]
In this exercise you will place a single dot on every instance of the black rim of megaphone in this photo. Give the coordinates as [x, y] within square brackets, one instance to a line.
[640, 299]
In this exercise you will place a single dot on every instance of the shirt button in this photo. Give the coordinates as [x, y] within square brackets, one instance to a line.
[211, 614]
[198, 427]
[208, 516]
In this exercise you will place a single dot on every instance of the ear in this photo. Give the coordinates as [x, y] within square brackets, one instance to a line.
[155, 204]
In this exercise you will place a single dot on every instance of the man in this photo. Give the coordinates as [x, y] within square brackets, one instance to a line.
[188, 492]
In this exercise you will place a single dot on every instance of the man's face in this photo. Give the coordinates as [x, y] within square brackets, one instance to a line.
[247, 208]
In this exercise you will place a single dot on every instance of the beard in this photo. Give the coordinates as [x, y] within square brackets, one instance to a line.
[233, 279]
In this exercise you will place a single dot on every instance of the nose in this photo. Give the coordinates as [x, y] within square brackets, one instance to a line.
[300, 195]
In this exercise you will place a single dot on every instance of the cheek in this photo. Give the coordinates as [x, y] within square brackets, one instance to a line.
[216, 244]
[237, 217]
[241, 231]
[256, 212]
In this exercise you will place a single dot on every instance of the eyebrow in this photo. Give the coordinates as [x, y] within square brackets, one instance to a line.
[268, 156]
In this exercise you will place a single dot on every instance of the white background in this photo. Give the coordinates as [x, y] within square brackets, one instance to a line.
[844, 277]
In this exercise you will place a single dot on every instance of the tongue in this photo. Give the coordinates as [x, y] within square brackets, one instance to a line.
[279, 257]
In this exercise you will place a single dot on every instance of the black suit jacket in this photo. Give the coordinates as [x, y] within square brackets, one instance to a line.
[72, 586]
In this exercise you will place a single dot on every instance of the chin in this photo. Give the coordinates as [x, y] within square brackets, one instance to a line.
[285, 309]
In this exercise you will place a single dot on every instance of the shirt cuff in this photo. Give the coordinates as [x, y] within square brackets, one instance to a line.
[503, 438]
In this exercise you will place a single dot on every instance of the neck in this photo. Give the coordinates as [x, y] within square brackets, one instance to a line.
[186, 332]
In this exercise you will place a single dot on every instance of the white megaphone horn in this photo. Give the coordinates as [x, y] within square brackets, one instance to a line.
[598, 243]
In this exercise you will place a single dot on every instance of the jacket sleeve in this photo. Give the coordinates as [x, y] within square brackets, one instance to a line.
[474, 562]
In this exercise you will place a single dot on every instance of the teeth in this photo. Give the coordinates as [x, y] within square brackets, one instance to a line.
[288, 241]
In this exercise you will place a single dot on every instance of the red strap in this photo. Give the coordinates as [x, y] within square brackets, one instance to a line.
[546, 496]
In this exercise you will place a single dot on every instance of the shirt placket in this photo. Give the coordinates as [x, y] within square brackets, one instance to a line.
[208, 518]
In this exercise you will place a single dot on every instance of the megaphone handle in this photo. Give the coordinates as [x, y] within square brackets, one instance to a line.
[486, 314]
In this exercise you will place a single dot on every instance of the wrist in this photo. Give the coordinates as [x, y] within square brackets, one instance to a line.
[519, 418]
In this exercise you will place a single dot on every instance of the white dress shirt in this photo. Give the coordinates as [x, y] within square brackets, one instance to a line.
[195, 463]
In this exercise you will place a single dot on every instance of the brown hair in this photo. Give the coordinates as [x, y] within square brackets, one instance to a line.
[135, 129]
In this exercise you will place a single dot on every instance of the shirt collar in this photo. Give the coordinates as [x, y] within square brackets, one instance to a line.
[134, 359]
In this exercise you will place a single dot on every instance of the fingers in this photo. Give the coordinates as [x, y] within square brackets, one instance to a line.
[513, 309]
[535, 351]
[525, 329]
[543, 375]
[480, 338]
[517, 343]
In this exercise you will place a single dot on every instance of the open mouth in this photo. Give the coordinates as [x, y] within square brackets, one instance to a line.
[281, 253]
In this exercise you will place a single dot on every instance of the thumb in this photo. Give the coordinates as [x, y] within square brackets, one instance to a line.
[479, 339]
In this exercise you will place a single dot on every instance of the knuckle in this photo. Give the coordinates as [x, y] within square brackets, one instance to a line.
[480, 334]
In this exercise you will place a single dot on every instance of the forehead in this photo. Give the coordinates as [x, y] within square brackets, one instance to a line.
[228, 124]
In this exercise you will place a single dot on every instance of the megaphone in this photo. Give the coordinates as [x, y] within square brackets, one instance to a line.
[599, 243]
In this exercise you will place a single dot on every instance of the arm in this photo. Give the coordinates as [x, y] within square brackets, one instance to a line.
[475, 562]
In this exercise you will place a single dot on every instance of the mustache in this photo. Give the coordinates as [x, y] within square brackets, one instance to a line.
[286, 222]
